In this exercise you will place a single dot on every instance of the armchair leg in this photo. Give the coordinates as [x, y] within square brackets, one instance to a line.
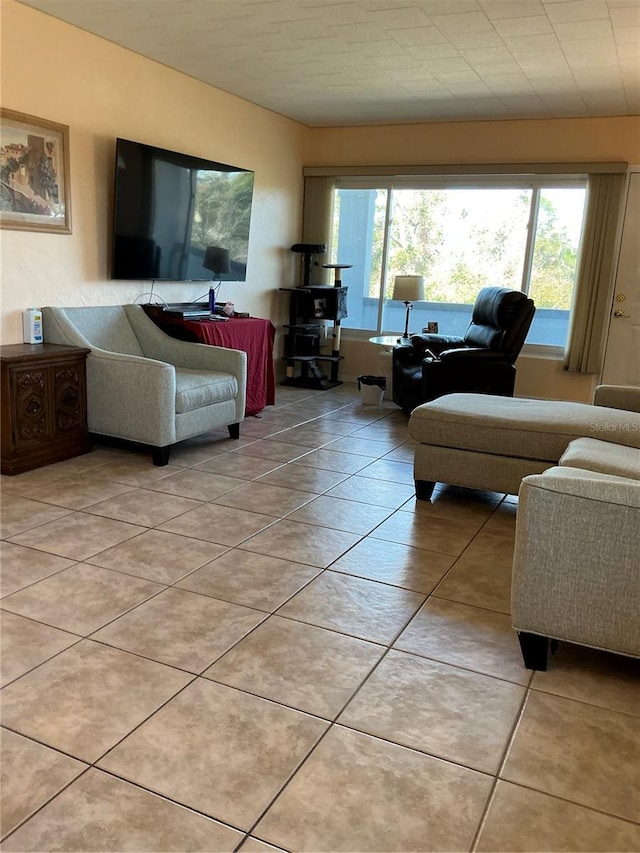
[534, 650]
[234, 430]
[160, 455]
[424, 489]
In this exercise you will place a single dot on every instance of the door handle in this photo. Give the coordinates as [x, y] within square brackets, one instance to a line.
[619, 313]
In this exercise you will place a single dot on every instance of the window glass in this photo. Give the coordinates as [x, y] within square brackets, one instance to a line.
[555, 256]
[460, 239]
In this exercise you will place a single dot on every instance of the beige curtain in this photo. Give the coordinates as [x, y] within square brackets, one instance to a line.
[317, 219]
[594, 277]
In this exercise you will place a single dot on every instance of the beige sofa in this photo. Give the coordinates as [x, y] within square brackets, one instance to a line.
[483, 441]
[576, 567]
[576, 468]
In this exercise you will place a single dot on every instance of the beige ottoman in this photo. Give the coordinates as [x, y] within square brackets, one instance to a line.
[483, 441]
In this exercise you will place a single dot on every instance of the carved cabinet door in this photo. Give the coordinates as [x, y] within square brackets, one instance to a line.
[32, 412]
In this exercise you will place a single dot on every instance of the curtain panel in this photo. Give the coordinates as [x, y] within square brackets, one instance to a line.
[594, 277]
[317, 218]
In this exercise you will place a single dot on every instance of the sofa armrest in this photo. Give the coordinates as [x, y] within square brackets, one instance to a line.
[578, 582]
[591, 485]
[624, 397]
[129, 396]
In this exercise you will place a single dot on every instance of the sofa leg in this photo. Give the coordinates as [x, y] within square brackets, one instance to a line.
[534, 650]
[424, 489]
[160, 455]
[234, 430]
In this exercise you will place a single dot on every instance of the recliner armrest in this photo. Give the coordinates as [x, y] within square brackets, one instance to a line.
[405, 355]
[433, 343]
[472, 354]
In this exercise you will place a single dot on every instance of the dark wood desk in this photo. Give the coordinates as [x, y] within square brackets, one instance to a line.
[253, 335]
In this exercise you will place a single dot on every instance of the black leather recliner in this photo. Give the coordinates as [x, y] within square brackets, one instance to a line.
[482, 362]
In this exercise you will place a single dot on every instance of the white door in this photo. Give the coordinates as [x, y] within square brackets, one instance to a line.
[622, 358]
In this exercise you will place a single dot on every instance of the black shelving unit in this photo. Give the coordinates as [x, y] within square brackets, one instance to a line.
[303, 359]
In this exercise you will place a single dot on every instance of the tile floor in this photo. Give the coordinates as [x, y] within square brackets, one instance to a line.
[269, 645]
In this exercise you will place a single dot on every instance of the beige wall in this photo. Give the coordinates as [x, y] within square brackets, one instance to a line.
[542, 140]
[101, 91]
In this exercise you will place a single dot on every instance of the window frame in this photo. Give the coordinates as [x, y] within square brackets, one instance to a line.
[536, 183]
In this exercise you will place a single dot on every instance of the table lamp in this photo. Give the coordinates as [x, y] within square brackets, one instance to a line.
[408, 289]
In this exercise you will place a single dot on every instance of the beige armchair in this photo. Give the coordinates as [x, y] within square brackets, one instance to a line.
[145, 386]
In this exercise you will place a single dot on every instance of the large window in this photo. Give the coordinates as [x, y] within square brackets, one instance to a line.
[507, 233]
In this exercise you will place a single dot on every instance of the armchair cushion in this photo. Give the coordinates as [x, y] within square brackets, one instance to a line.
[197, 388]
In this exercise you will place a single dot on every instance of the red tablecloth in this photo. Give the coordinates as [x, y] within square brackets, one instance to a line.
[251, 334]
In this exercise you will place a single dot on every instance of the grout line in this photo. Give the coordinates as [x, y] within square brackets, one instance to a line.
[45, 577]
[505, 752]
[47, 660]
[47, 801]
[290, 777]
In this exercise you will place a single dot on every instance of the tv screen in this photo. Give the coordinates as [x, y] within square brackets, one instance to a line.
[170, 208]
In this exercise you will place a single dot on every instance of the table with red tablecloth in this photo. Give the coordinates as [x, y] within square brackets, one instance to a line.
[253, 335]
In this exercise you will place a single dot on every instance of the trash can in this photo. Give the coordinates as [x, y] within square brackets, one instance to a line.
[372, 389]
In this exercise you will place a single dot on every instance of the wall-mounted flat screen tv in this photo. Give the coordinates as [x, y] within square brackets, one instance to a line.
[169, 208]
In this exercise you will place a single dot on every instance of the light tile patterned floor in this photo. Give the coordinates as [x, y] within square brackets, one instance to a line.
[270, 645]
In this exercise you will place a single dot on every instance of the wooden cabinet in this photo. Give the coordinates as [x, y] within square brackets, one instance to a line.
[44, 405]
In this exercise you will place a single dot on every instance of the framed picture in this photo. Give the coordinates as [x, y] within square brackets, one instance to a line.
[34, 174]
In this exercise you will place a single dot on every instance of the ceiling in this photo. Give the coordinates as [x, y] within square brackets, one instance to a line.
[359, 62]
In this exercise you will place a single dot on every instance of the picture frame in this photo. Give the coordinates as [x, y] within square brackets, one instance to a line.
[35, 192]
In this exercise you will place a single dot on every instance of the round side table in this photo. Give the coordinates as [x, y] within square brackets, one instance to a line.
[385, 358]
[389, 341]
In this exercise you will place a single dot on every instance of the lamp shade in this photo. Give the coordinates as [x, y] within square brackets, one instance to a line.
[217, 260]
[408, 288]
